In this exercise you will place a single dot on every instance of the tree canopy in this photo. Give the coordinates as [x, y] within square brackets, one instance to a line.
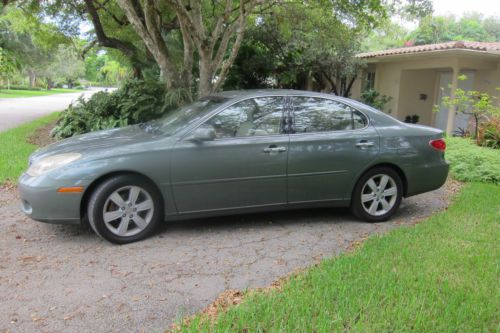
[198, 47]
[434, 29]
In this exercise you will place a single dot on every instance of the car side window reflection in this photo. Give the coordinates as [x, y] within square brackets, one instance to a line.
[251, 117]
[359, 120]
[312, 114]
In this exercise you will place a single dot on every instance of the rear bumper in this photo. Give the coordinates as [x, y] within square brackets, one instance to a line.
[426, 178]
[41, 201]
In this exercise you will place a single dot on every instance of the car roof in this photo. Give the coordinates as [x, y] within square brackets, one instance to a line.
[236, 94]
[375, 114]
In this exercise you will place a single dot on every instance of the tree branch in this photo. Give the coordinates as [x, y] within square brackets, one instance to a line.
[186, 19]
[146, 24]
[113, 16]
[240, 31]
[87, 48]
[125, 47]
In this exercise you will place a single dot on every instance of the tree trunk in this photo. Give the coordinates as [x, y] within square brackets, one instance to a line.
[349, 86]
[137, 72]
[205, 84]
[31, 78]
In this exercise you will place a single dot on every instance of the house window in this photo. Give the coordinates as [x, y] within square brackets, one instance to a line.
[370, 81]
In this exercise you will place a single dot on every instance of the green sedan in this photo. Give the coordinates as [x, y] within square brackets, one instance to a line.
[234, 152]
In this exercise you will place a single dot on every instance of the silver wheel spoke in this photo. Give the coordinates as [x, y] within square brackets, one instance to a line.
[373, 207]
[133, 195]
[390, 192]
[385, 204]
[383, 182]
[140, 222]
[117, 199]
[111, 216]
[367, 197]
[123, 227]
[372, 185]
[145, 205]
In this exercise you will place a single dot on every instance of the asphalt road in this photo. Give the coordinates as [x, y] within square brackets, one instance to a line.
[17, 111]
[65, 279]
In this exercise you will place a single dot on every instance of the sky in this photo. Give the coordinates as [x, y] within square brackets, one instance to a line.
[459, 7]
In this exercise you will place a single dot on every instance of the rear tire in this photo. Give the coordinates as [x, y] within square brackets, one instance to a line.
[125, 209]
[377, 195]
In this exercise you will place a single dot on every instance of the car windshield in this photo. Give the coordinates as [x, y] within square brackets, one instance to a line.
[178, 119]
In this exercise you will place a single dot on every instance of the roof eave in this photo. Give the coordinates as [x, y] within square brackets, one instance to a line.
[403, 56]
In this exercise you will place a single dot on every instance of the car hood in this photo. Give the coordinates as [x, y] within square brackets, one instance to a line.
[95, 142]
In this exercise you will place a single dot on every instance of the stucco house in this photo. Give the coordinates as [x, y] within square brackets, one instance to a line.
[417, 77]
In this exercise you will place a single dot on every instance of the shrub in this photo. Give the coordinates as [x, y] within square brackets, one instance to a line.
[469, 162]
[489, 133]
[480, 105]
[375, 99]
[135, 102]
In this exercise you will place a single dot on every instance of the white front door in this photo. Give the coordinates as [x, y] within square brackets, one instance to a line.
[445, 80]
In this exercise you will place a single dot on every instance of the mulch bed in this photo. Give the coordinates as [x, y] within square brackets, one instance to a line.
[42, 136]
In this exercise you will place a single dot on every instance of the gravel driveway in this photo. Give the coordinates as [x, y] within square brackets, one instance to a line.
[65, 279]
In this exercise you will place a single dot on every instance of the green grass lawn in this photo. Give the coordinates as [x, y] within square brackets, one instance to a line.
[15, 150]
[4, 93]
[439, 276]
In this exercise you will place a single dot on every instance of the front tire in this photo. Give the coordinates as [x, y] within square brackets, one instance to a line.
[377, 195]
[125, 209]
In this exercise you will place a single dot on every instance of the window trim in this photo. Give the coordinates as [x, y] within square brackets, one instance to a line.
[190, 131]
[368, 123]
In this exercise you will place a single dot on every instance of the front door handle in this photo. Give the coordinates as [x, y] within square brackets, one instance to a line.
[274, 149]
[365, 143]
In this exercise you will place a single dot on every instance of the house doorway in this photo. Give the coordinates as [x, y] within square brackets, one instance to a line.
[461, 119]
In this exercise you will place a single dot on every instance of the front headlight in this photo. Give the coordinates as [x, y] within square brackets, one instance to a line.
[50, 163]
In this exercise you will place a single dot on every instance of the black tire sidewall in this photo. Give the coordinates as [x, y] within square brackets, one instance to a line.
[101, 194]
[356, 204]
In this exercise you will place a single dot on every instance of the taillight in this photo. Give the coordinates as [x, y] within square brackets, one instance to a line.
[438, 144]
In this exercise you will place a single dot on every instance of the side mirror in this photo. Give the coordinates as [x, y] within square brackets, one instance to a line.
[203, 134]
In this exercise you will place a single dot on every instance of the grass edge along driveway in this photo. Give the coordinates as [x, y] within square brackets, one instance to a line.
[15, 149]
[12, 93]
[438, 276]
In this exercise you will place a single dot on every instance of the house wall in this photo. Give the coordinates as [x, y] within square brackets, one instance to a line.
[487, 81]
[402, 78]
[413, 83]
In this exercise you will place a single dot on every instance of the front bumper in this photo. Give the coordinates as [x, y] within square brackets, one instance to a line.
[41, 201]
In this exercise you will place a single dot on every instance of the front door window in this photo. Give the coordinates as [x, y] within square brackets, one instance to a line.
[260, 116]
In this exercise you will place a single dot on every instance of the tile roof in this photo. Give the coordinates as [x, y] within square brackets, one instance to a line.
[475, 46]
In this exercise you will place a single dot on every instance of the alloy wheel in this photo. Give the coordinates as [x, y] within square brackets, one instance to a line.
[379, 194]
[128, 211]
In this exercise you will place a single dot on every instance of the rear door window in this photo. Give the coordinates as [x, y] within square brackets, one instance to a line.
[314, 114]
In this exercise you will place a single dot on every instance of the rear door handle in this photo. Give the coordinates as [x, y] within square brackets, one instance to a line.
[274, 150]
[364, 143]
